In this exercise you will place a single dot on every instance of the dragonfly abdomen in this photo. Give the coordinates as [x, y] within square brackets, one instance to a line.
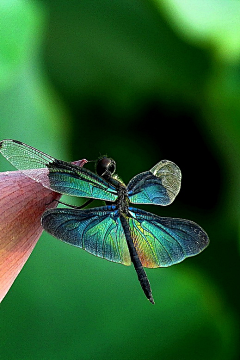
[142, 276]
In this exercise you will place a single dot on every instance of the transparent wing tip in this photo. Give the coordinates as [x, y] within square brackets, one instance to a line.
[167, 168]
[171, 177]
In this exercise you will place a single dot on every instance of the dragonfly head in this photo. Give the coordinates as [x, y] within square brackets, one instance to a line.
[105, 166]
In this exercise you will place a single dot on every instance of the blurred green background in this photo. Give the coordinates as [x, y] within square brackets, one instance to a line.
[140, 81]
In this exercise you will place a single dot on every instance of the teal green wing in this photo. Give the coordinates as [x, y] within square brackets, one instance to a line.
[57, 175]
[97, 230]
[72, 180]
[162, 242]
[158, 186]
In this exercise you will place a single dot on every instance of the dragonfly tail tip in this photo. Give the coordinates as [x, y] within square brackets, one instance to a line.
[151, 300]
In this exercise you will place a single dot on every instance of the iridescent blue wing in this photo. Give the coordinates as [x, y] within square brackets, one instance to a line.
[162, 241]
[97, 230]
[158, 186]
[72, 180]
[57, 175]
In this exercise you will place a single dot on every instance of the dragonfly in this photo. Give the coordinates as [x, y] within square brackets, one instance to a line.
[116, 231]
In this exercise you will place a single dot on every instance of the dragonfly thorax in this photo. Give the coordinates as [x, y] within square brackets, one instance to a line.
[106, 168]
[122, 201]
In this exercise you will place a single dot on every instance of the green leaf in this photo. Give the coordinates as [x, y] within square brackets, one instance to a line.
[19, 25]
[212, 23]
[29, 108]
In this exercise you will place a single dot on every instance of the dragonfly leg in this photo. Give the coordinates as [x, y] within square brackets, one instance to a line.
[73, 206]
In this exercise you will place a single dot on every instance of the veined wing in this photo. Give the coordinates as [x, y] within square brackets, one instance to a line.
[162, 241]
[57, 175]
[158, 186]
[97, 230]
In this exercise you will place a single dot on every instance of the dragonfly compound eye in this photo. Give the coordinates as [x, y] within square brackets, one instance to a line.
[105, 164]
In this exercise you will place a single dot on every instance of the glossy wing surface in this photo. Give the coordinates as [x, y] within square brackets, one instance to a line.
[57, 175]
[158, 186]
[162, 242]
[72, 180]
[98, 231]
